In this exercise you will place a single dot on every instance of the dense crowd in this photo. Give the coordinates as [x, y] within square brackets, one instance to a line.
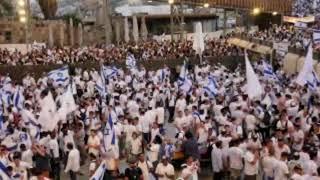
[150, 50]
[138, 124]
[303, 8]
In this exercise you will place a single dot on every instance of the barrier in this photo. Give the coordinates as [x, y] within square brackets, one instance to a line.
[19, 71]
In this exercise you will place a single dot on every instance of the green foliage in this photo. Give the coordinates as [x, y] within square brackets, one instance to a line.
[6, 8]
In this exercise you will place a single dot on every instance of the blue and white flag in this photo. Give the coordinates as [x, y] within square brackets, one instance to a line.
[109, 135]
[99, 174]
[6, 97]
[60, 76]
[184, 81]
[268, 72]
[18, 98]
[316, 36]
[212, 87]
[101, 84]
[32, 123]
[253, 86]
[131, 61]
[4, 172]
[307, 74]
[109, 71]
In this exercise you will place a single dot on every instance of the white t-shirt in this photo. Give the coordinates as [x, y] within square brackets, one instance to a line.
[136, 146]
[154, 152]
[162, 170]
[96, 142]
[281, 171]
[235, 155]
[269, 164]
[250, 169]
[54, 147]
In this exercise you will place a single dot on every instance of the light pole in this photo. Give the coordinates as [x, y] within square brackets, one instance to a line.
[23, 13]
[171, 17]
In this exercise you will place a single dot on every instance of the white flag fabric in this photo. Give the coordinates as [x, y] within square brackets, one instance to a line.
[198, 39]
[109, 135]
[4, 172]
[32, 123]
[254, 88]
[101, 84]
[68, 104]
[99, 174]
[131, 61]
[316, 36]
[212, 87]
[18, 98]
[268, 72]
[307, 74]
[48, 117]
[60, 76]
[109, 71]
[184, 82]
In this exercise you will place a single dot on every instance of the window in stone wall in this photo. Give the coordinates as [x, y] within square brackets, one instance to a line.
[7, 35]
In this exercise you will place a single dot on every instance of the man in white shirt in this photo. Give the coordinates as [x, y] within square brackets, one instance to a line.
[216, 158]
[165, 170]
[73, 162]
[55, 156]
[251, 166]
[235, 159]
[282, 171]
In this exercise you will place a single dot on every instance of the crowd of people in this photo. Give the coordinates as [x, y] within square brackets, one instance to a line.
[149, 50]
[141, 123]
[303, 8]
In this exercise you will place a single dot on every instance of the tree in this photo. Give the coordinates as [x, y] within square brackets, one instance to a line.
[6, 8]
[49, 8]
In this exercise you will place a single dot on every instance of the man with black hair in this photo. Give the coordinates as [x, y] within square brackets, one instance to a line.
[73, 162]
[190, 146]
[217, 162]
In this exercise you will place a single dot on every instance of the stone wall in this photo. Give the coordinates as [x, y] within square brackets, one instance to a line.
[13, 32]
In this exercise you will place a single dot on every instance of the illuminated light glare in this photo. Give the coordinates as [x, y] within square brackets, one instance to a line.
[21, 3]
[23, 19]
[170, 1]
[275, 13]
[256, 11]
[206, 5]
[150, 1]
[22, 12]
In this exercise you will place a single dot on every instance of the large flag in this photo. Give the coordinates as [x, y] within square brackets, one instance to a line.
[18, 98]
[307, 74]
[4, 172]
[99, 174]
[198, 39]
[109, 71]
[101, 84]
[212, 87]
[316, 36]
[184, 81]
[60, 76]
[32, 123]
[109, 135]
[48, 117]
[68, 104]
[253, 86]
[268, 72]
[131, 61]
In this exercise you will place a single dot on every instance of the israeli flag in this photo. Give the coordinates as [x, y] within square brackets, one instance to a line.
[6, 98]
[60, 76]
[131, 61]
[184, 81]
[109, 72]
[99, 174]
[212, 87]
[4, 172]
[101, 84]
[109, 135]
[307, 74]
[18, 98]
[316, 36]
[268, 72]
